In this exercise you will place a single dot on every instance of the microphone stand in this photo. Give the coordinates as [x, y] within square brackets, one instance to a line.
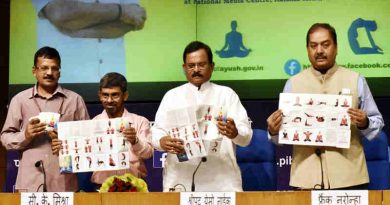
[44, 179]
[204, 159]
[40, 164]
[318, 153]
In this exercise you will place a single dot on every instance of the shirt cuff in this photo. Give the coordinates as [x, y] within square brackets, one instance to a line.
[137, 146]
[273, 138]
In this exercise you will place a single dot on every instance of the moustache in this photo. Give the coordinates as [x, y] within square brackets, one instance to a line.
[48, 78]
[109, 107]
[321, 57]
[196, 74]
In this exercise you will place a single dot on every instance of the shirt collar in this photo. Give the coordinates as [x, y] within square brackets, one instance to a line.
[328, 73]
[202, 87]
[124, 114]
[59, 91]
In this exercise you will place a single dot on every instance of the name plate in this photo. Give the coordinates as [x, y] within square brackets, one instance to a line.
[47, 198]
[207, 198]
[338, 197]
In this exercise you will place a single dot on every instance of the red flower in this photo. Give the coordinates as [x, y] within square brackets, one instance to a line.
[112, 189]
[124, 184]
[118, 185]
[133, 189]
[118, 182]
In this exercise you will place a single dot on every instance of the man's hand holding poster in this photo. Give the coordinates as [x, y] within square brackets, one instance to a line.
[315, 119]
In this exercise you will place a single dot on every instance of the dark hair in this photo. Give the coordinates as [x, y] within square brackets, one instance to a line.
[47, 52]
[197, 45]
[326, 26]
[113, 79]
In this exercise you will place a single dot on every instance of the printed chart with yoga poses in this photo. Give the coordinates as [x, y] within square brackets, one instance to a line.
[93, 145]
[196, 126]
[315, 119]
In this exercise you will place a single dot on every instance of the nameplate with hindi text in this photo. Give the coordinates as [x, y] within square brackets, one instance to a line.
[207, 198]
[47, 198]
[339, 197]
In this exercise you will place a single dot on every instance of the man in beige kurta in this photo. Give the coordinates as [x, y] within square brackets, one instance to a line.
[330, 167]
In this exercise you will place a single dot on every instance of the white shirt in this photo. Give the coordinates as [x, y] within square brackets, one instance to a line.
[220, 172]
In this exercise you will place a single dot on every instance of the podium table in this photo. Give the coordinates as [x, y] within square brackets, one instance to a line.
[386, 197]
[173, 198]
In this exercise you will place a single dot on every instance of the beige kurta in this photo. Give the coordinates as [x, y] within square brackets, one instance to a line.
[341, 167]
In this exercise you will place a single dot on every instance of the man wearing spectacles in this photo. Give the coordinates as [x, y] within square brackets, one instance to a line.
[24, 132]
[113, 94]
[220, 171]
[48, 69]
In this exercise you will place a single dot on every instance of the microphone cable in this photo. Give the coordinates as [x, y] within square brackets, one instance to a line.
[174, 187]
[38, 164]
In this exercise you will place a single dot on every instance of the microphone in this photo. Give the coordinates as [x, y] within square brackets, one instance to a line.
[318, 153]
[38, 164]
[204, 159]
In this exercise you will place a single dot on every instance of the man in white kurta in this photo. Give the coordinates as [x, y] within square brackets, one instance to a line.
[219, 172]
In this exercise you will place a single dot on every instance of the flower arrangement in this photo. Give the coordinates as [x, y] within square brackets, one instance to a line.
[124, 183]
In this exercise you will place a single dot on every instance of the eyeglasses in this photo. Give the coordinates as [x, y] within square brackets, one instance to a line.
[112, 96]
[45, 69]
[192, 66]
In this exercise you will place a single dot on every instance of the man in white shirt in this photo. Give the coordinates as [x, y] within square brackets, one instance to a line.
[218, 172]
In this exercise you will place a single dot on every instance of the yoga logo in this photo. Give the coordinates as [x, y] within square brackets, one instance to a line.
[234, 46]
[368, 26]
